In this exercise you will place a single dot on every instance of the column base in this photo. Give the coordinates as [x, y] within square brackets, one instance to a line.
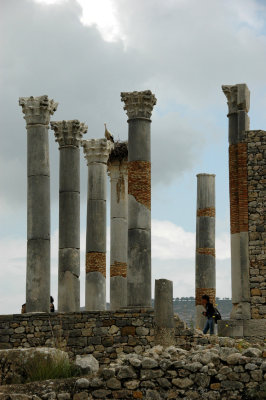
[164, 336]
[242, 328]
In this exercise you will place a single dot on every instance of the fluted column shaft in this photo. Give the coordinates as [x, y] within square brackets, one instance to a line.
[97, 153]
[117, 168]
[205, 244]
[37, 112]
[238, 97]
[139, 106]
[68, 135]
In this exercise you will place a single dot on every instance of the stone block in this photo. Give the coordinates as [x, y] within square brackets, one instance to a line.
[128, 330]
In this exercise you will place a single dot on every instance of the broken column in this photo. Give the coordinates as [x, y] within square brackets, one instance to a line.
[37, 112]
[96, 152]
[68, 134]
[139, 106]
[205, 244]
[117, 167]
[238, 97]
[164, 313]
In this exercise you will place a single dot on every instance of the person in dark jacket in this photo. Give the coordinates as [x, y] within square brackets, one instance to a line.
[51, 304]
[209, 314]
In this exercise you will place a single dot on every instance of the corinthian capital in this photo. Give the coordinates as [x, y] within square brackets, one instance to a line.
[68, 133]
[37, 110]
[238, 97]
[97, 150]
[138, 104]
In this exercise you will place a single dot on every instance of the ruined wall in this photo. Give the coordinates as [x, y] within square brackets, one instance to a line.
[102, 333]
[256, 172]
[222, 371]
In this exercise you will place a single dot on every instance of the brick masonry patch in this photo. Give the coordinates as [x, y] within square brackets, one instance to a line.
[96, 262]
[118, 269]
[139, 181]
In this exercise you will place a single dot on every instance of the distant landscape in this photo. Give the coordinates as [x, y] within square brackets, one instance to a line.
[185, 308]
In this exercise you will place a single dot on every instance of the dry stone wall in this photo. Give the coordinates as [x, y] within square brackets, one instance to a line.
[216, 372]
[256, 171]
[104, 334]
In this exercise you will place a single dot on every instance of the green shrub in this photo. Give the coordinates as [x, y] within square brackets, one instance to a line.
[40, 368]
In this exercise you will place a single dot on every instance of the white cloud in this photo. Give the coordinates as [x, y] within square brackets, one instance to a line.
[173, 257]
[183, 50]
[172, 242]
[177, 48]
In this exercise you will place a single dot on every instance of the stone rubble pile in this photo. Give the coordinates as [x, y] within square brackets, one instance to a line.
[205, 372]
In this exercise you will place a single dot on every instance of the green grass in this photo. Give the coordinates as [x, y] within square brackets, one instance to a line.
[39, 368]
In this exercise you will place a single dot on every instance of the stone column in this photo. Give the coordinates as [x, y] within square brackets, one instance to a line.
[238, 97]
[117, 167]
[37, 112]
[205, 244]
[68, 134]
[96, 153]
[164, 313]
[139, 106]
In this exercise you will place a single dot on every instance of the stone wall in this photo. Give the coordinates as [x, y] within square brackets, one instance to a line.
[256, 171]
[215, 372]
[104, 334]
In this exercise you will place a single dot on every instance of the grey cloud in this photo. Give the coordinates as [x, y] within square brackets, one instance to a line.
[182, 50]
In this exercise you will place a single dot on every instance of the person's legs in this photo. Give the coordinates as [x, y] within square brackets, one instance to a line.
[206, 327]
[211, 325]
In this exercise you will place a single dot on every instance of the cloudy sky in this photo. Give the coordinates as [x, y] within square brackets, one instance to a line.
[82, 54]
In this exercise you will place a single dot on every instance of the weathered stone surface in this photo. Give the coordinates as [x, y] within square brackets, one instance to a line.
[182, 383]
[87, 363]
[132, 385]
[83, 383]
[252, 352]
[113, 383]
[149, 363]
[126, 372]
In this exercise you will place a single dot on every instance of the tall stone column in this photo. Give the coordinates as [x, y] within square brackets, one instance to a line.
[117, 168]
[68, 134]
[205, 244]
[139, 106]
[37, 112]
[96, 152]
[238, 97]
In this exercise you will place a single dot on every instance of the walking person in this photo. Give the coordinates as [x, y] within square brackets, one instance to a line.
[209, 314]
[51, 304]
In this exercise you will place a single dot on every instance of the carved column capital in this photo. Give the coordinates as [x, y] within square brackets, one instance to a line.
[37, 110]
[97, 150]
[238, 97]
[138, 104]
[69, 133]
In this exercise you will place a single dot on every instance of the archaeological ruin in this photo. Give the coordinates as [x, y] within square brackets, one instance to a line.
[135, 350]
